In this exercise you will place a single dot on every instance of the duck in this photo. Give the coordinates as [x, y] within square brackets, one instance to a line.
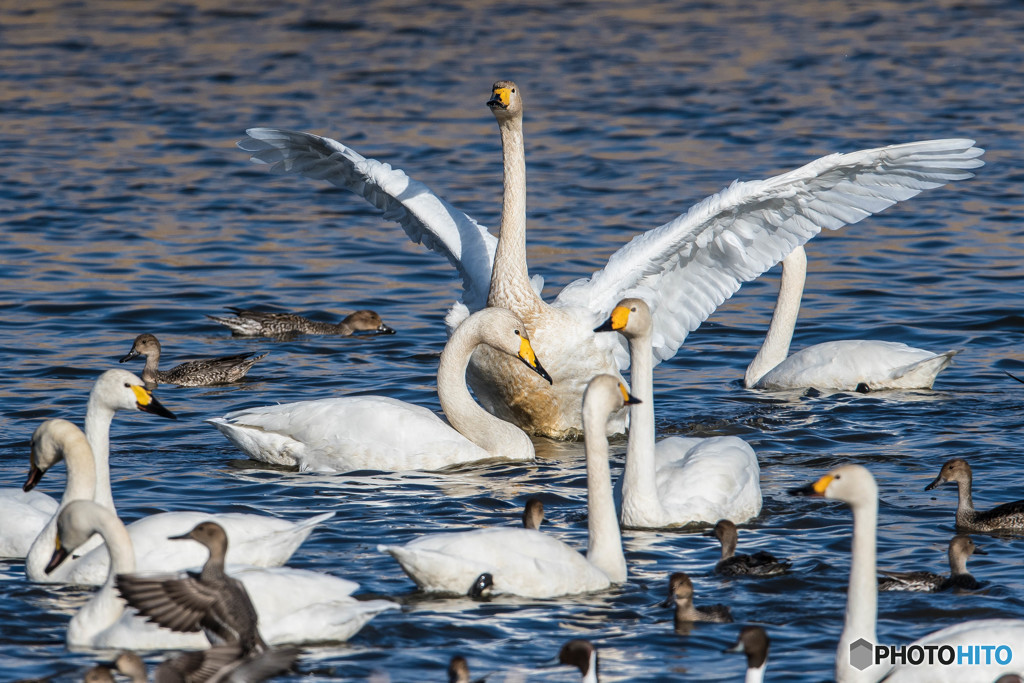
[458, 671]
[759, 564]
[686, 268]
[1005, 517]
[224, 662]
[196, 373]
[251, 323]
[859, 365]
[384, 434]
[678, 480]
[528, 562]
[855, 486]
[258, 539]
[752, 641]
[583, 655]
[960, 548]
[680, 596]
[294, 606]
[533, 513]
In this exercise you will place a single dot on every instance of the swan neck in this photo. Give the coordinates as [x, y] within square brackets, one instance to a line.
[640, 502]
[494, 435]
[98, 417]
[604, 548]
[775, 347]
[119, 545]
[81, 477]
[862, 596]
[510, 279]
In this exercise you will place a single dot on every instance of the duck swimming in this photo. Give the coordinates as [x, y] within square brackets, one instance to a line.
[250, 323]
[1005, 517]
[680, 596]
[760, 563]
[196, 373]
[685, 269]
[960, 548]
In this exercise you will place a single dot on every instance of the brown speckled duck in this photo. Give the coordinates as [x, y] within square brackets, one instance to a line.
[250, 323]
[196, 373]
[1005, 517]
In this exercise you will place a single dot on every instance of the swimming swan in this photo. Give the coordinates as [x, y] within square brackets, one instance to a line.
[854, 485]
[379, 433]
[258, 540]
[293, 605]
[195, 373]
[685, 269]
[676, 480]
[528, 562]
[849, 365]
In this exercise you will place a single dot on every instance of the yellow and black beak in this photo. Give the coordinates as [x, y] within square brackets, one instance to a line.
[35, 475]
[59, 555]
[628, 398]
[527, 355]
[501, 98]
[145, 402]
[815, 490]
[617, 321]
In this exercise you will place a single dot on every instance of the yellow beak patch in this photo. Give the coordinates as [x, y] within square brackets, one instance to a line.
[142, 396]
[526, 352]
[503, 94]
[620, 316]
[625, 394]
[822, 484]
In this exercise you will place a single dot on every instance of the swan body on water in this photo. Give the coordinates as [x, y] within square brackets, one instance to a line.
[685, 269]
[677, 480]
[848, 365]
[380, 433]
[293, 605]
[258, 540]
[854, 485]
[196, 373]
[25, 514]
[528, 562]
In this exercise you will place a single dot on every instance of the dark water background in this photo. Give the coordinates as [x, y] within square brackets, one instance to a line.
[127, 209]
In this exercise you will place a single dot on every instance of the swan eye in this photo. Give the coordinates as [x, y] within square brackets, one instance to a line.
[129, 386]
[517, 333]
[513, 89]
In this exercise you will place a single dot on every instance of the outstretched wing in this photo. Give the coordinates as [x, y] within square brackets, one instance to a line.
[686, 268]
[172, 601]
[425, 217]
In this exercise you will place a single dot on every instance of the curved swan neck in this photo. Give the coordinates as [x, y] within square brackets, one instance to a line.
[81, 476]
[862, 595]
[494, 435]
[639, 482]
[97, 430]
[510, 279]
[119, 544]
[604, 547]
[775, 347]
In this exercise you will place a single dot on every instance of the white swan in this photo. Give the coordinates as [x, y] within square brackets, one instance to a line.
[685, 269]
[854, 485]
[677, 480]
[258, 540]
[379, 433]
[25, 513]
[528, 562]
[293, 605]
[849, 365]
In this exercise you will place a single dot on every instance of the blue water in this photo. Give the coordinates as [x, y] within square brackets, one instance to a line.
[126, 209]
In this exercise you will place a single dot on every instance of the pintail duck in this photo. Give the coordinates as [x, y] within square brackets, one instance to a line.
[1005, 517]
[224, 662]
[583, 655]
[533, 514]
[458, 671]
[250, 323]
[960, 548]
[753, 642]
[680, 594]
[760, 563]
[196, 373]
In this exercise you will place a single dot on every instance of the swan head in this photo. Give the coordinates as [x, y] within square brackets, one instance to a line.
[210, 534]
[604, 396]
[367, 321]
[851, 484]
[121, 390]
[533, 513]
[77, 522]
[506, 102]
[581, 654]
[49, 442]
[753, 642]
[631, 317]
[145, 345]
[956, 470]
[503, 330]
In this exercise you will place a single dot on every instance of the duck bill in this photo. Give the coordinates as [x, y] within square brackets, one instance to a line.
[59, 555]
[184, 537]
[35, 475]
[145, 402]
[127, 357]
[738, 647]
[384, 329]
[978, 550]
[670, 601]
[939, 481]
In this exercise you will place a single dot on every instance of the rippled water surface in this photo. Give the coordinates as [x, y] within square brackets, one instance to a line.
[126, 208]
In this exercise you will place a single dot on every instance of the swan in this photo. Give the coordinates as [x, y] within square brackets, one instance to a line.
[960, 548]
[294, 605]
[379, 433]
[680, 596]
[759, 564]
[685, 268]
[849, 365]
[527, 562]
[250, 323]
[677, 480]
[258, 539]
[196, 373]
[854, 485]
[753, 642]
[25, 513]
[1005, 517]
